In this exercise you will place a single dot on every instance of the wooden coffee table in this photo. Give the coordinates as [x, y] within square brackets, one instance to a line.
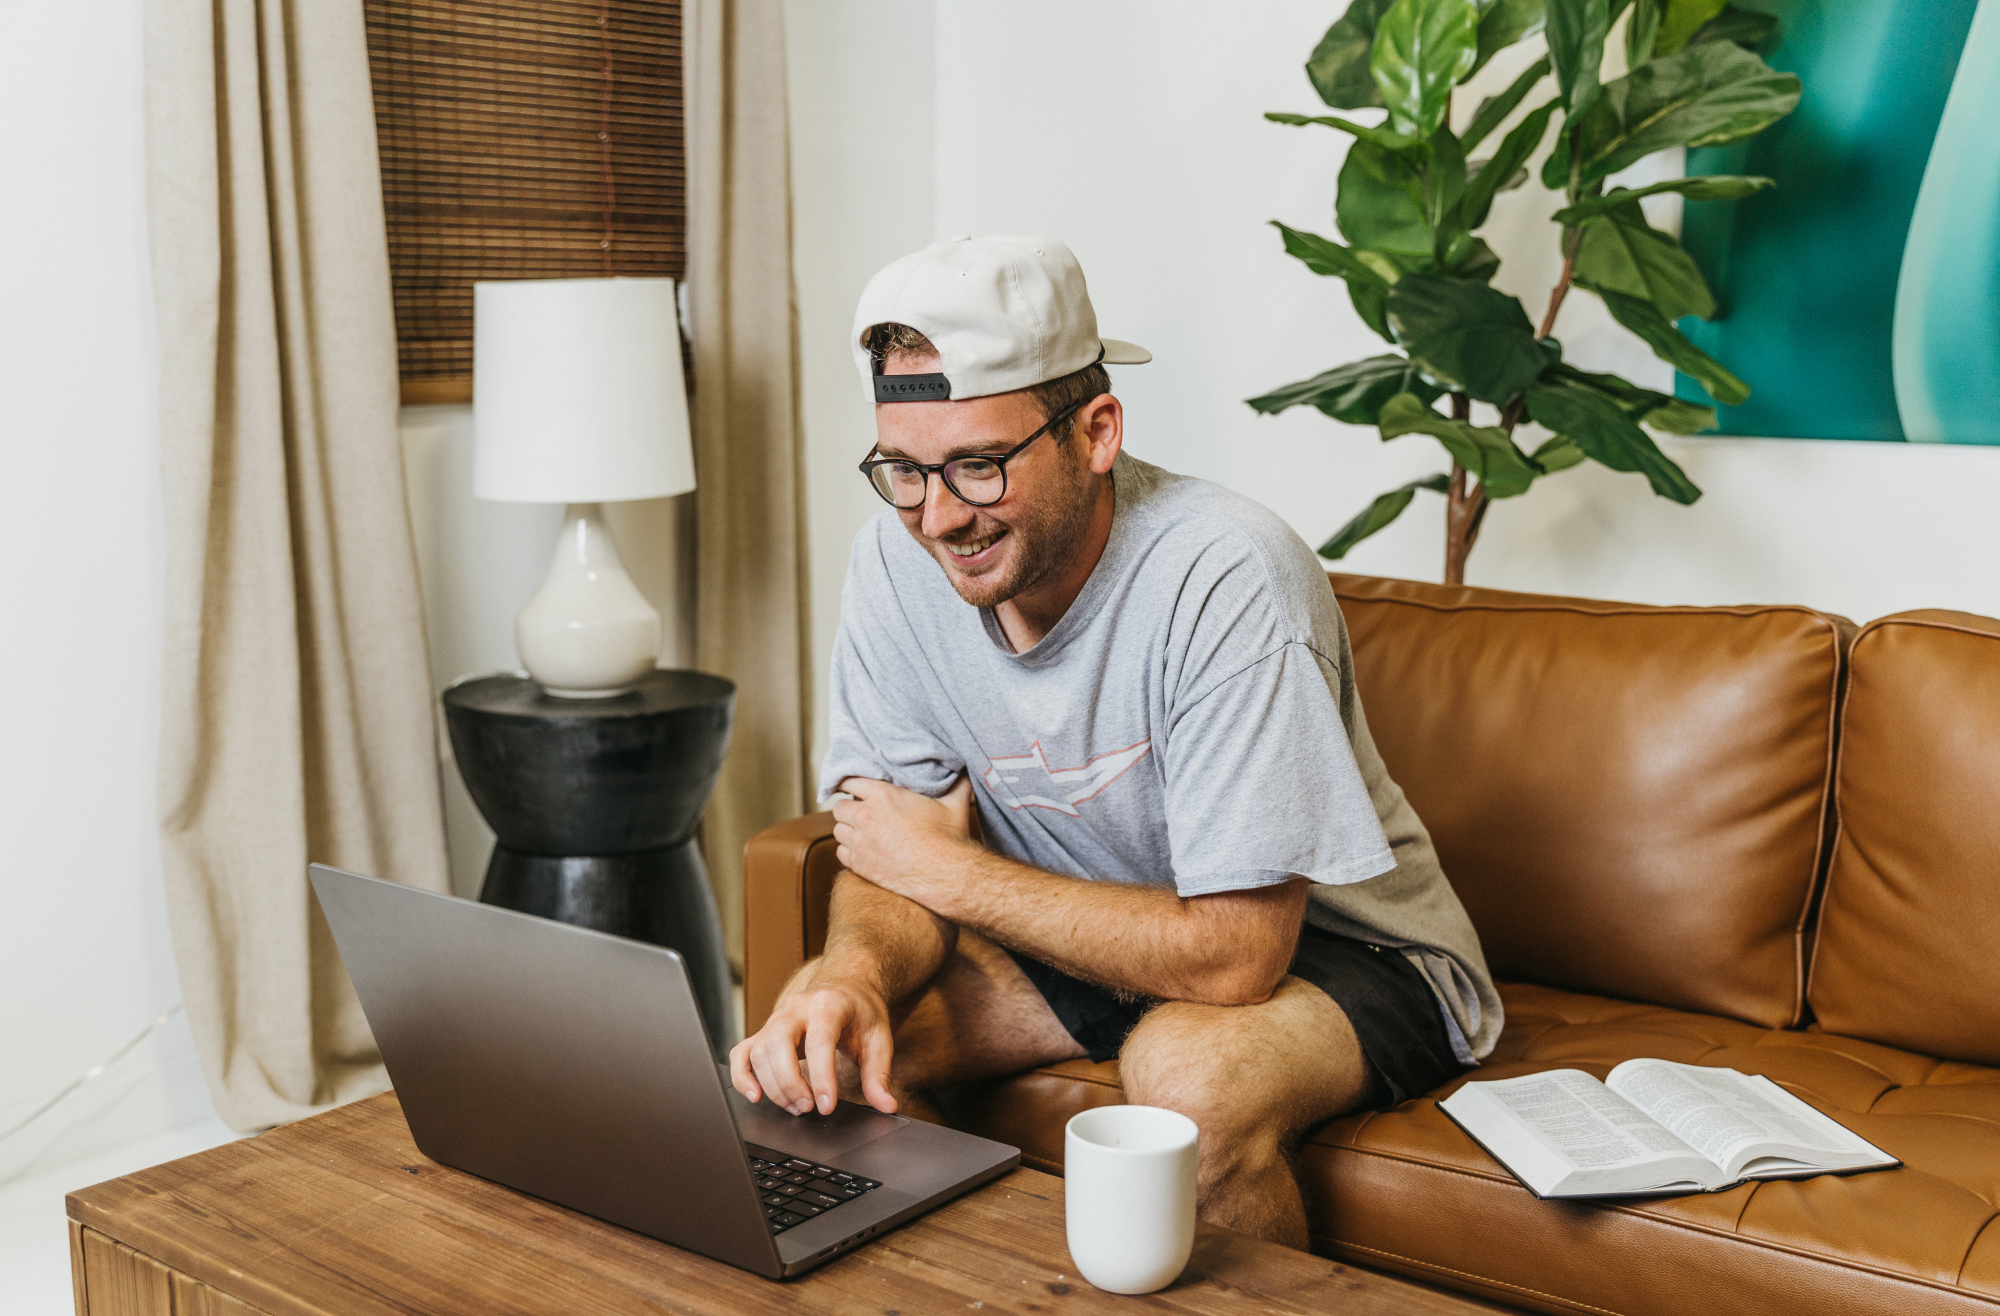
[342, 1214]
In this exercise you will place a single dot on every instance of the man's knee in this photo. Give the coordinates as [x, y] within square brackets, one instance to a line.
[1172, 1059]
[1253, 1077]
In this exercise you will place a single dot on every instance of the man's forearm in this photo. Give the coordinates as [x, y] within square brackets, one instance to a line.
[882, 940]
[1228, 949]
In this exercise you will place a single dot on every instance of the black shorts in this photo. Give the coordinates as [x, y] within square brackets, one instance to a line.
[1395, 1013]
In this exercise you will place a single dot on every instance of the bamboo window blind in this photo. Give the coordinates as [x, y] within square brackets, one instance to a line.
[521, 139]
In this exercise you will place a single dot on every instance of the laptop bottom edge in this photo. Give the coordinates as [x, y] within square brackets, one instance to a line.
[801, 1254]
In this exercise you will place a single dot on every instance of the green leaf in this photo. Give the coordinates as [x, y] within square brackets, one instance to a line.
[1422, 49]
[1555, 169]
[1679, 416]
[1465, 335]
[1504, 471]
[1323, 255]
[1382, 137]
[1339, 63]
[1393, 265]
[1660, 410]
[1513, 180]
[1641, 31]
[1681, 20]
[1515, 148]
[1372, 305]
[1365, 288]
[1504, 23]
[1622, 253]
[1607, 435]
[1379, 514]
[1471, 258]
[1704, 96]
[1354, 392]
[1443, 187]
[1558, 454]
[1493, 111]
[1379, 202]
[1576, 30]
[1707, 187]
[1668, 344]
[1745, 27]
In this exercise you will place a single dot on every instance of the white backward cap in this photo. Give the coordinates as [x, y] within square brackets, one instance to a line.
[1005, 311]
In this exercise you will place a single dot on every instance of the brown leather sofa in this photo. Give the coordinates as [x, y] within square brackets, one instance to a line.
[1746, 836]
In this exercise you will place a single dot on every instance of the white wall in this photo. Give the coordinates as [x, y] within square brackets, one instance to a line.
[1133, 130]
[85, 962]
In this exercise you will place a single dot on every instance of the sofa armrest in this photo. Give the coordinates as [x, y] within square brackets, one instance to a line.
[788, 873]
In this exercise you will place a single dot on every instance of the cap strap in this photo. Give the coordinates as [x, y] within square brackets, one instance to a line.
[912, 388]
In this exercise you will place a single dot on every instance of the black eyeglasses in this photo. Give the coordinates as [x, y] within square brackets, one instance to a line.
[980, 480]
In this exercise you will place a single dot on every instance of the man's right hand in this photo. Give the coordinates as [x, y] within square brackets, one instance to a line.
[828, 1014]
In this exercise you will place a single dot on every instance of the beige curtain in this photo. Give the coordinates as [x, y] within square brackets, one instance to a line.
[750, 623]
[296, 722]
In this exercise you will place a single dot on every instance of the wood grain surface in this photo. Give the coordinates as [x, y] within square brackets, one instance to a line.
[342, 1214]
[121, 1281]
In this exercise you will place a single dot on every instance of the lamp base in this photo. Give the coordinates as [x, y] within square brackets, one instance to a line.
[588, 633]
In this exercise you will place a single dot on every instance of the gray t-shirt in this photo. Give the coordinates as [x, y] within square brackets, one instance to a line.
[1190, 722]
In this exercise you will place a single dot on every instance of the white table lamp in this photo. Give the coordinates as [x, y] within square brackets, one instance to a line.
[577, 398]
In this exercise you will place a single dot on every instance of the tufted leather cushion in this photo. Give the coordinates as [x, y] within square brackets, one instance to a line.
[1908, 951]
[1627, 799]
[1407, 1190]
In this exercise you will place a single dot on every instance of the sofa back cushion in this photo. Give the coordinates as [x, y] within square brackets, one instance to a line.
[1629, 800]
[1909, 934]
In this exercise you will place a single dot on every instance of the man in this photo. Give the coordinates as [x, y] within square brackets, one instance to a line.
[1136, 689]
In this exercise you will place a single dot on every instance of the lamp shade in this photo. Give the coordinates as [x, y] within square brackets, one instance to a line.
[577, 394]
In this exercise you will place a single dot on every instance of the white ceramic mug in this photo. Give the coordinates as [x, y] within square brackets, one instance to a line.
[1129, 1184]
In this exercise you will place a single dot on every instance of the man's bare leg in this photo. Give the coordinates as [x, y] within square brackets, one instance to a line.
[978, 1017]
[1254, 1078]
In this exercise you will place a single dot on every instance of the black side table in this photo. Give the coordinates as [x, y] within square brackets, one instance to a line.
[595, 802]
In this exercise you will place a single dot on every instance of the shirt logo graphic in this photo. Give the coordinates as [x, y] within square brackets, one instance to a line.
[1062, 789]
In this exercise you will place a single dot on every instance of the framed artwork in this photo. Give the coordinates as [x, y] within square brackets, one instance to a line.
[1861, 297]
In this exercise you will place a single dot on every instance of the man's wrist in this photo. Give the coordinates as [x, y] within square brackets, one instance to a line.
[945, 864]
[859, 973]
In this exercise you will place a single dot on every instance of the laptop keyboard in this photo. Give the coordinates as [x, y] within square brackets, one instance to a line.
[795, 1190]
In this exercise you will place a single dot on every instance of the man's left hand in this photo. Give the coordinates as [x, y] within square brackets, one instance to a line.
[902, 841]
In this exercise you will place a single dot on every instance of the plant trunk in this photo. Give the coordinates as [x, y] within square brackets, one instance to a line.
[1462, 517]
[1464, 510]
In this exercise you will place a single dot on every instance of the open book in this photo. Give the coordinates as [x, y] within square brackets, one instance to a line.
[1652, 1127]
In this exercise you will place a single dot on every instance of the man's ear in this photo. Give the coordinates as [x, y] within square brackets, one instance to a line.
[1101, 422]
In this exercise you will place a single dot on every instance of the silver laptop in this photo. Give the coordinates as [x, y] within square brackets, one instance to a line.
[573, 1065]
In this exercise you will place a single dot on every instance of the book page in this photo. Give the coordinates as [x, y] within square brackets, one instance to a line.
[1720, 1112]
[1582, 1119]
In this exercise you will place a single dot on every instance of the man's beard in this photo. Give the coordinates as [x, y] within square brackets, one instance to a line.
[1045, 543]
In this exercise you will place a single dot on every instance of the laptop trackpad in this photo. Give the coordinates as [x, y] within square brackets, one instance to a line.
[812, 1136]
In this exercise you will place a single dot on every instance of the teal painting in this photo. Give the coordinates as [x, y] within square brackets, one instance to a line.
[1861, 297]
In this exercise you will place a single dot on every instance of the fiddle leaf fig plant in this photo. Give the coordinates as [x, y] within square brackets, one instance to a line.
[1412, 195]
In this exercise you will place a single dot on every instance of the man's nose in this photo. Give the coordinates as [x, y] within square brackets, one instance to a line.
[944, 511]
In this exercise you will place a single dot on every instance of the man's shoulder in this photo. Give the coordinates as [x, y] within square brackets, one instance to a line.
[1204, 532]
